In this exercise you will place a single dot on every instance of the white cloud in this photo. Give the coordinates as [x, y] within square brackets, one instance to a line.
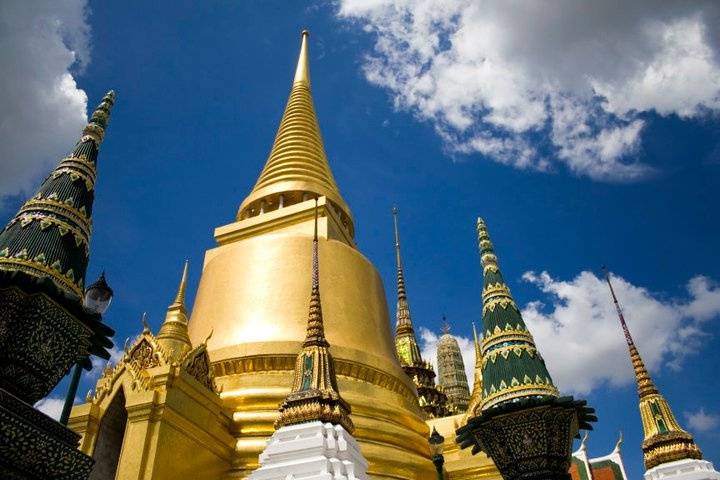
[428, 350]
[531, 86]
[51, 406]
[702, 421]
[99, 364]
[579, 334]
[42, 111]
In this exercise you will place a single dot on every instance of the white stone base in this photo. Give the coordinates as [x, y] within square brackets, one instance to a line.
[687, 469]
[311, 451]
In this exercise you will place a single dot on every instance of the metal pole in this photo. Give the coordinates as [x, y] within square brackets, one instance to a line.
[439, 460]
[70, 398]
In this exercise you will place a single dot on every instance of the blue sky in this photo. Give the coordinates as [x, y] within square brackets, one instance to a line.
[200, 91]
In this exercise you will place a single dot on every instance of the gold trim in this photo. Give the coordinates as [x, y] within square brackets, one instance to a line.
[77, 173]
[60, 208]
[499, 289]
[49, 218]
[31, 268]
[492, 356]
[511, 392]
[345, 368]
[492, 303]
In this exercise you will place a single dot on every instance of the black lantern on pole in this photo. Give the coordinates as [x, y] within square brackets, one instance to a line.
[98, 296]
[437, 442]
[96, 301]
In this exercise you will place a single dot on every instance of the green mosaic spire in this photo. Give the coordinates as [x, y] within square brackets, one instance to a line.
[512, 366]
[47, 242]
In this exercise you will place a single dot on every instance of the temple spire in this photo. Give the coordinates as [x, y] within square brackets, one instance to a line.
[404, 321]
[513, 367]
[476, 394]
[431, 400]
[642, 377]
[665, 440]
[173, 335]
[47, 242]
[314, 394]
[297, 167]
[302, 72]
[451, 370]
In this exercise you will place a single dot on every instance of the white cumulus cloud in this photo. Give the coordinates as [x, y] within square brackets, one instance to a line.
[532, 85]
[51, 406]
[42, 111]
[577, 330]
[99, 364]
[702, 421]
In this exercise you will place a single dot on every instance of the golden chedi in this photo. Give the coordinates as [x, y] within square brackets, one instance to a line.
[253, 294]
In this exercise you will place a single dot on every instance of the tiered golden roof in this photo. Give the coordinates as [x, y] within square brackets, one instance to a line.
[297, 165]
[665, 440]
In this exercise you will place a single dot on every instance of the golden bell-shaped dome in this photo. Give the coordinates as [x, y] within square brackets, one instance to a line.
[253, 293]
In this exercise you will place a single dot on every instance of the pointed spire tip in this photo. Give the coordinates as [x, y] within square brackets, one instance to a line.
[302, 73]
[180, 297]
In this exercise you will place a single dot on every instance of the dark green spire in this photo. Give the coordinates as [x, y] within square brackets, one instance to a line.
[512, 366]
[47, 242]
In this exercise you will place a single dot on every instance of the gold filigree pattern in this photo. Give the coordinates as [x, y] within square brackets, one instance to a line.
[491, 398]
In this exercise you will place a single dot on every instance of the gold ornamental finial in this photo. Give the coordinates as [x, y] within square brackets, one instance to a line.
[297, 167]
[173, 335]
[314, 395]
[665, 440]
[302, 72]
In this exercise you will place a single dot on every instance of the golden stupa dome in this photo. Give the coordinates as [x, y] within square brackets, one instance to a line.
[254, 294]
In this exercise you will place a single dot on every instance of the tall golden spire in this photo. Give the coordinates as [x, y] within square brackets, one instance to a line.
[314, 394]
[665, 440]
[173, 335]
[431, 400]
[476, 395]
[404, 322]
[297, 167]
